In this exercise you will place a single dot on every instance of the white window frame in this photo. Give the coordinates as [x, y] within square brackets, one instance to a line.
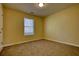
[28, 31]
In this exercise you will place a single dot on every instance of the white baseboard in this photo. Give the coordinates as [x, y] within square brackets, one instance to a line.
[67, 43]
[18, 43]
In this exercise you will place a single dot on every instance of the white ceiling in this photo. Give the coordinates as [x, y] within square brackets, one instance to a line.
[48, 9]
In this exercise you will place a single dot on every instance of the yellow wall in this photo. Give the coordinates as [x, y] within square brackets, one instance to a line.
[63, 26]
[13, 27]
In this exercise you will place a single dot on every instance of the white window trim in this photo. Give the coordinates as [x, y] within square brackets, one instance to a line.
[29, 33]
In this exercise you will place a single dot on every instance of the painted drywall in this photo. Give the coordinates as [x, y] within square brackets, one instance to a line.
[14, 27]
[63, 26]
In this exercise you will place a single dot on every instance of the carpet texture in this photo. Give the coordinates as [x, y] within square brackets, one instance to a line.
[40, 48]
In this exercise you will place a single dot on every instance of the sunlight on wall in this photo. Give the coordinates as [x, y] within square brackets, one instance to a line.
[63, 26]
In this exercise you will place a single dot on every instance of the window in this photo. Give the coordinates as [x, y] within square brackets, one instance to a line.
[28, 26]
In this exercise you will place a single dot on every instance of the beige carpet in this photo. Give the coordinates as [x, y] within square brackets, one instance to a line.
[40, 48]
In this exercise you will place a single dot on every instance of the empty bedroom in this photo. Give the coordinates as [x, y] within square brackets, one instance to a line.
[39, 29]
